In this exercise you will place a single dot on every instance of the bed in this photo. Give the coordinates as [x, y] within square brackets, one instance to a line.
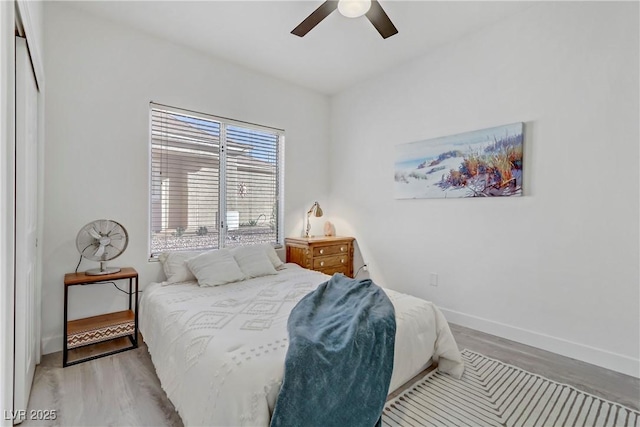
[219, 351]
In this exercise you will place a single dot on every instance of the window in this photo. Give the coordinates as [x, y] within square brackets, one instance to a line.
[214, 182]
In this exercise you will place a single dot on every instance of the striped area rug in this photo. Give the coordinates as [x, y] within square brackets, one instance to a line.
[492, 393]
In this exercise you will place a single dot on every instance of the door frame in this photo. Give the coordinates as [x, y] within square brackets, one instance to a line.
[29, 26]
[14, 14]
[7, 203]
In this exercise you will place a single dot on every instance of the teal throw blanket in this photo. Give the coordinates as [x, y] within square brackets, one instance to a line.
[340, 357]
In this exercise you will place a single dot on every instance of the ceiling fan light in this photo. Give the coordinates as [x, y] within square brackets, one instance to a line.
[353, 8]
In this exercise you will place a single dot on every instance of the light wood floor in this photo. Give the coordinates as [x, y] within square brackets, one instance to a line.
[593, 379]
[123, 389]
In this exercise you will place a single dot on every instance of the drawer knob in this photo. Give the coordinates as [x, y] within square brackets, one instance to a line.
[321, 251]
[321, 263]
[341, 248]
[342, 260]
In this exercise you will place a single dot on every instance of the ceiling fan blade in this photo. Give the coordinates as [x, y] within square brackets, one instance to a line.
[378, 17]
[315, 18]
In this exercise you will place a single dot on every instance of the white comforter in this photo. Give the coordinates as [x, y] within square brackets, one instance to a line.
[219, 352]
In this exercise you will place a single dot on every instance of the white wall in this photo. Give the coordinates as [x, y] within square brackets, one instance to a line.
[100, 79]
[557, 268]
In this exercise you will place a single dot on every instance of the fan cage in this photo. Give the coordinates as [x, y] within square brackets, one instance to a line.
[101, 241]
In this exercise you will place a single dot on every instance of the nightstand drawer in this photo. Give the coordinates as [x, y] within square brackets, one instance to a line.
[328, 254]
[330, 250]
[330, 261]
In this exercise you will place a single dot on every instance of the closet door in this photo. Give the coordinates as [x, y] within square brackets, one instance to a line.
[26, 315]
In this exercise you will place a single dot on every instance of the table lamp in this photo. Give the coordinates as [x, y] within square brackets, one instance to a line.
[315, 211]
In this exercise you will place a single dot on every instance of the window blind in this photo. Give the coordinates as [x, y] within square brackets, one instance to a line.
[214, 182]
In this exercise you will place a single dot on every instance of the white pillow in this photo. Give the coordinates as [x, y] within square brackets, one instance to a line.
[214, 268]
[175, 267]
[253, 261]
[273, 255]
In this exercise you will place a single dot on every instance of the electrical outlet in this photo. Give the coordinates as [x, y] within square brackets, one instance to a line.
[433, 279]
[365, 267]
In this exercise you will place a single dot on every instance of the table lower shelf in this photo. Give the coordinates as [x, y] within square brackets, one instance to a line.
[95, 329]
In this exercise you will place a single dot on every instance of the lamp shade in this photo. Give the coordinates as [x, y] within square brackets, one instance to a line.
[316, 211]
[354, 8]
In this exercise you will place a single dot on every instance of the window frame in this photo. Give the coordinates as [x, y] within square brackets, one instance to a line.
[224, 122]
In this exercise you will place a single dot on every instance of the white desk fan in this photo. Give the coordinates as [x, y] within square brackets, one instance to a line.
[102, 240]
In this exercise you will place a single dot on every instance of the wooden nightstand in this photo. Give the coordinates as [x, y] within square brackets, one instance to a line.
[92, 330]
[328, 255]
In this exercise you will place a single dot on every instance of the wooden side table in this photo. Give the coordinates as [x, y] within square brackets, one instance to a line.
[92, 330]
[328, 255]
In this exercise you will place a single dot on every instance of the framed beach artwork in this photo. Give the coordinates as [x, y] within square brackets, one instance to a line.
[482, 163]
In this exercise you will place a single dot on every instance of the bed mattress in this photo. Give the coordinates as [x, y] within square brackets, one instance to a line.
[219, 351]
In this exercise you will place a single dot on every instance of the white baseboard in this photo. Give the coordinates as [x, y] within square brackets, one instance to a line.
[51, 344]
[596, 356]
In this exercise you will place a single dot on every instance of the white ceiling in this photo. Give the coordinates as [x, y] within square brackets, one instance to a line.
[335, 55]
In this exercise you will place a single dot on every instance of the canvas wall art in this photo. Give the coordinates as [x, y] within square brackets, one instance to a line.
[482, 163]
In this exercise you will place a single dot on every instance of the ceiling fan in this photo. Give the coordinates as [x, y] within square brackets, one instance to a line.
[350, 9]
